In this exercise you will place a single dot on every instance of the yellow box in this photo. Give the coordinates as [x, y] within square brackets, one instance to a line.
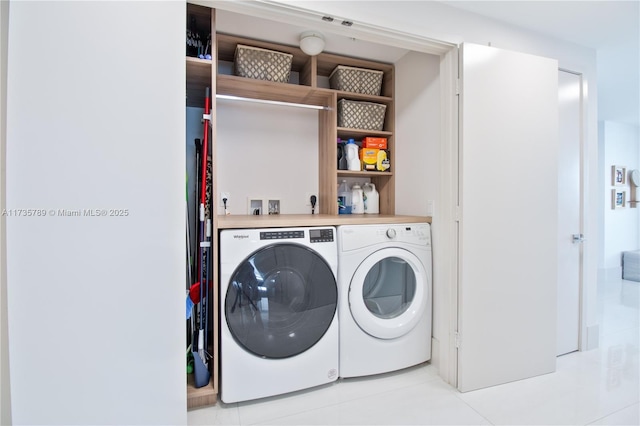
[369, 158]
[374, 159]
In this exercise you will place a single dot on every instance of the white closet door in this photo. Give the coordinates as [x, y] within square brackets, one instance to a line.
[509, 209]
[570, 211]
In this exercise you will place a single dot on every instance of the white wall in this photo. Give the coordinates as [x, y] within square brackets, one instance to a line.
[417, 132]
[95, 119]
[266, 152]
[622, 226]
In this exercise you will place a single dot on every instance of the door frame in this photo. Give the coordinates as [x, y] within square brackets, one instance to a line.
[582, 329]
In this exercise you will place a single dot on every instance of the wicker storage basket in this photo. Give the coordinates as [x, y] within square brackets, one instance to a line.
[262, 64]
[356, 80]
[361, 115]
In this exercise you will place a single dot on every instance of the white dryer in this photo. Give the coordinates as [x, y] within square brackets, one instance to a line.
[385, 305]
[278, 304]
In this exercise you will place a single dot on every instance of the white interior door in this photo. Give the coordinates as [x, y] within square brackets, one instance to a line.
[569, 211]
[509, 217]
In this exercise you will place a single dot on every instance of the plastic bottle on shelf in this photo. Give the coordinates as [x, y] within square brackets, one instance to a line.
[357, 199]
[371, 199]
[353, 160]
[342, 156]
[344, 198]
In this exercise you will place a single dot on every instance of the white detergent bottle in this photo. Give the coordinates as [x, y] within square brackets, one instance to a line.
[344, 198]
[371, 199]
[353, 160]
[357, 199]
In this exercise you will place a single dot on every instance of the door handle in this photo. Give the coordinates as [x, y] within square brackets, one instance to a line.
[577, 238]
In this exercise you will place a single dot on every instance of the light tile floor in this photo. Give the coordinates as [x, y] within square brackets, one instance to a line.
[599, 387]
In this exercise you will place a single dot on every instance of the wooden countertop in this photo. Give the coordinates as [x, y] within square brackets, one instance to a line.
[294, 220]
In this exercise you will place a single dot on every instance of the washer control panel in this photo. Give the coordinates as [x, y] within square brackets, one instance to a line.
[321, 235]
[315, 235]
[281, 235]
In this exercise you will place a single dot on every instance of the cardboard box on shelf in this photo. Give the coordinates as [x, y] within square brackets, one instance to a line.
[371, 142]
[374, 159]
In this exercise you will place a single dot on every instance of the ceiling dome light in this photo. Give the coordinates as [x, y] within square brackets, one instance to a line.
[311, 42]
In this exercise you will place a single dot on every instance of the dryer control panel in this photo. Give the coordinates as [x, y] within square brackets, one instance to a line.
[353, 237]
[410, 234]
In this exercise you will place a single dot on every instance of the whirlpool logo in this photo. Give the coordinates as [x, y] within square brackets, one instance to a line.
[240, 236]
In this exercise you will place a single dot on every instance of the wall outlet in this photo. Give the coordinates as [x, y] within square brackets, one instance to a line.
[310, 208]
[225, 209]
[254, 206]
[431, 208]
[273, 206]
[307, 199]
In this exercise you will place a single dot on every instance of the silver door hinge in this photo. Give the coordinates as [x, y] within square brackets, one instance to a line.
[457, 214]
[577, 238]
[457, 87]
[457, 339]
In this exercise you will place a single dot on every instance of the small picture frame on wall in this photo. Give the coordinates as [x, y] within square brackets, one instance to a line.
[618, 175]
[618, 199]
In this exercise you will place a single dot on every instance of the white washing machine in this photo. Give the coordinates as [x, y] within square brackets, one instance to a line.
[384, 284]
[278, 304]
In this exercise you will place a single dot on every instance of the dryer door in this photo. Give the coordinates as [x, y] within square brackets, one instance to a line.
[389, 293]
[281, 300]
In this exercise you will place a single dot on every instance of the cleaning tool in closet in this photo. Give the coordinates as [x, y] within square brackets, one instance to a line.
[190, 302]
[201, 367]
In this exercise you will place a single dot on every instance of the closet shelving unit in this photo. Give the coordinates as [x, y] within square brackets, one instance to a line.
[312, 89]
[312, 71]
[200, 75]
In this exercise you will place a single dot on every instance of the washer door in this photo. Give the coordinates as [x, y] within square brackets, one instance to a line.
[281, 300]
[388, 293]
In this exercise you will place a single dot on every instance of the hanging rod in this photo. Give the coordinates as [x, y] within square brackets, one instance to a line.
[262, 101]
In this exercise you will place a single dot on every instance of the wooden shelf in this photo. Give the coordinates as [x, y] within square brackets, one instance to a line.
[198, 63]
[351, 173]
[269, 90]
[199, 78]
[360, 97]
[295, 220]
[200, 397]
[346, 133]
